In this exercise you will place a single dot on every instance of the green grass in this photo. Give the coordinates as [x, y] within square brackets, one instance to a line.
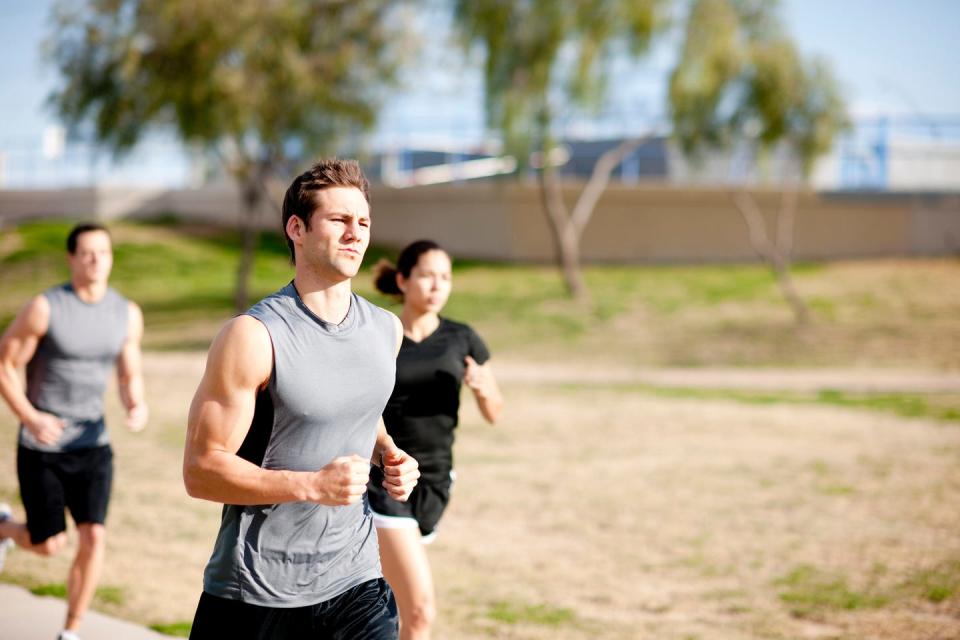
[938, 406]
[105, 594]
[178, 629]
[936, 584]
[679, 315]
[54, 590]
[110, 595]
[539, 614]
[807, 589]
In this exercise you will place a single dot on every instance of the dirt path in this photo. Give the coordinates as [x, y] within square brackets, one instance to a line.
[859, 380]
[768, 379]
[594, 512]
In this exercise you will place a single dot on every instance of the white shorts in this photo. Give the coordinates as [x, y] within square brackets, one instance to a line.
[381, 521]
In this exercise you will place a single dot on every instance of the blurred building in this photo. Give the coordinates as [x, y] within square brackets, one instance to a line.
[879, 154]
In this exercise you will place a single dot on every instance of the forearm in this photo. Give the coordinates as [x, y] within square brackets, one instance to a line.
[489, 399]
[131, 390]
[221, 476]
[491, 406]
[13, 393]
[384, 443]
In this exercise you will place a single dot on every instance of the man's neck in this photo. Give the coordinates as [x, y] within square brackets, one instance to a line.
[89, 292]
[329, 301]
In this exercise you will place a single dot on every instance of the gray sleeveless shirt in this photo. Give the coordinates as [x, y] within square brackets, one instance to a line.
[68, 373]
[326, 393]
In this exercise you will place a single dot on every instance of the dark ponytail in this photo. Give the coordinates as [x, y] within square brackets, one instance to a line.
[385, 274]
[385, 278]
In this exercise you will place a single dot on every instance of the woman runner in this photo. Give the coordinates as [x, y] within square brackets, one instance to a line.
[436, 357]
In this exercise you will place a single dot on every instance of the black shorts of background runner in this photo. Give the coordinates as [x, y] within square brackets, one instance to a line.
[368, 611]
[77, 480]
[426, 503]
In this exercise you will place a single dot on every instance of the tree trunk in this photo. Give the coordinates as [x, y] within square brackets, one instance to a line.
[565, 238]
[776, 255]
[249, 236]
[568, 227]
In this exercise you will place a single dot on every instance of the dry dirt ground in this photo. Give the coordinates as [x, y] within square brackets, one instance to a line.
[595, 512]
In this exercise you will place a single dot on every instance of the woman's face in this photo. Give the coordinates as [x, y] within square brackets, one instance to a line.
[429, 284]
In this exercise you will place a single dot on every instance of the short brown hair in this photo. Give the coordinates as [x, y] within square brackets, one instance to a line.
[80, 229]
[328, 173]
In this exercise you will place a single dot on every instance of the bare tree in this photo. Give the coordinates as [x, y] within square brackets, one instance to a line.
[521, 43]
[256, 84]
[740, 80]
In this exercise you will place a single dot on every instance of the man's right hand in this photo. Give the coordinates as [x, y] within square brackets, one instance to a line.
[342, 482]
[45, 427]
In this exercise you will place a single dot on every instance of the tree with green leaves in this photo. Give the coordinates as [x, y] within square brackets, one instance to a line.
[741, 81]
[258, 83]
[527, 87]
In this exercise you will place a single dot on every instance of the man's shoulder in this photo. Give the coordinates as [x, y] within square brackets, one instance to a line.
[375, 308]
[56, 291]
[385, 316]
[241, 333]
[270, 305]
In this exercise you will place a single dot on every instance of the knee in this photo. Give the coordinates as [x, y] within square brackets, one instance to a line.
[52, 545]
[421, 615]
[91, 536]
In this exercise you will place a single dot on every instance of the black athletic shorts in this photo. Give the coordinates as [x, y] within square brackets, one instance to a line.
[77, 480]
[368, 611]
[426, 503]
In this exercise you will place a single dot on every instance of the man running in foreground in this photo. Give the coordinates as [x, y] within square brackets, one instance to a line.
[283, 429]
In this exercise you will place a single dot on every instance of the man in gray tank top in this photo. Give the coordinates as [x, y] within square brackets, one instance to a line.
[284, 427]
[70, 337]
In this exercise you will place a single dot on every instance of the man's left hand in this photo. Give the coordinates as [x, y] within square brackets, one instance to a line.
[400, 473]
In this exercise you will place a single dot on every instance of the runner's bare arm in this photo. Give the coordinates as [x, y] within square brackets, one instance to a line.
[238, 366]
[486, 391]
[17, 346]
[130, 372]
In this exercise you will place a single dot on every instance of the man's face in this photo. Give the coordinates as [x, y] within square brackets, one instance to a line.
[339, 233]
[92, 261]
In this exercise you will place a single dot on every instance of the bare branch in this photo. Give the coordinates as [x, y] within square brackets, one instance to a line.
[599, 179]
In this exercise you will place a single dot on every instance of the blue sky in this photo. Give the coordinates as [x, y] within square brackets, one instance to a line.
[891, 57]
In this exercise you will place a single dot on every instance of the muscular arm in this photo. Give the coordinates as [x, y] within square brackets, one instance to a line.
[238, 366]
[17, 346]
[130, 371]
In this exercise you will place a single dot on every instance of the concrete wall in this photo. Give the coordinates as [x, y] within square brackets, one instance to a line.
[503, 220]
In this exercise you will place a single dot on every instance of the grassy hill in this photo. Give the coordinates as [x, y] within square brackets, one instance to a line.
[886, 313]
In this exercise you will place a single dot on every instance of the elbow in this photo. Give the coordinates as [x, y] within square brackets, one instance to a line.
[193, 478]
[190, 483]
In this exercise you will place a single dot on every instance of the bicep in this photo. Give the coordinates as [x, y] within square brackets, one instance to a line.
[239, 364]
[19, 342]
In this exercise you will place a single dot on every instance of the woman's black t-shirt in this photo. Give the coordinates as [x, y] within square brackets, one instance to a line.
[422, 411]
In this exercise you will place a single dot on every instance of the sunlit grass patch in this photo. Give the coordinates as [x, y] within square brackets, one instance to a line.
[110, 595]
[105, 594]
[178, 629]
[54, 590]
[938, 406]
[936, 584]
[540, 614]
[808, 589]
